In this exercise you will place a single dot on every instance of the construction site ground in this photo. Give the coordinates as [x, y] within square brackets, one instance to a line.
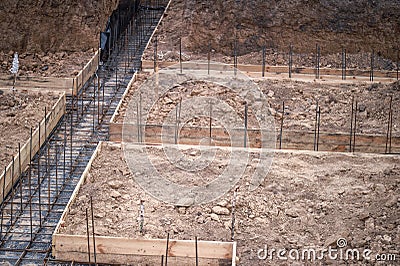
[20, 111]
[308, 199]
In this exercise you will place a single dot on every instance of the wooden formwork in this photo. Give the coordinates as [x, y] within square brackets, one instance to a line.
[350, 73]
[21, 161]
[297, 140]
[85, 74]
[120, 250]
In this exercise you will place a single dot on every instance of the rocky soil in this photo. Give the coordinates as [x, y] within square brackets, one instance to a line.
[359, 26]
[19, 111]
[54, 38]
[300, 100]
[308, 199]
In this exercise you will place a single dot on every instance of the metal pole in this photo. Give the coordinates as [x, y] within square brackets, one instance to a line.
[210, 122]
[30, 184]
[389, 128]
[12, 190]
[64, 146]
[166, 251]
[155, 54]
[93, 233]
[372, 67]
[351, 123]
[180, 53]
[281, 130]
[245, 125]
[56, 155]
[315, 127]
[343, 63]
[20, 173]
[235, 62]
[209, 57]
[263, 60]
[318, 58]
[197, 254]
[355, 127]
[233, 213]
[88, 234]
[319, 122]
[290, 60]
[39, 182]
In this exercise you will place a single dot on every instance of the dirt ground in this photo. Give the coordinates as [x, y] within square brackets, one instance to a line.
[308, 199]
[300, 98]
[19, 111]
[213, 26]
[60, 64]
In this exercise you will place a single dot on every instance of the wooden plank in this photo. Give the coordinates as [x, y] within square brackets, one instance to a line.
[52, 118]
[85, 74]
[31, 83]
[148, 65]
[77, 188]
[63, 245]
[291, 139]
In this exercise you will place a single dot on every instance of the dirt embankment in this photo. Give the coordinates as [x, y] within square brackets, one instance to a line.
[51, 35]
[360, 26]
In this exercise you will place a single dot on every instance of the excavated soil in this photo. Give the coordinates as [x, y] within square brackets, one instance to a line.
[359, 26]
[19, 111]
[308, 199]
[300, 98]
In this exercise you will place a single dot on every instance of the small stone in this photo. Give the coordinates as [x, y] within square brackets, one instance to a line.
[214, 217]
[270, 94]
[222, 203]
[387, 239]
[114, 184]
[99, 215]
[182, 210]
[220, 210]
[292, 213]
[185, 202]
[115, 194]
[251, 216]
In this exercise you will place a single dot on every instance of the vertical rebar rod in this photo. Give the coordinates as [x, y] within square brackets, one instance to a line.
[155, 54]
[371, 78]
[94, 104]
[235, 59]
[72, 119]
[290, 60]
[245, 125]
[47, 153]
[398, 65]
[30, 184]
[88, 235]
[180, 54]
[315, 127]
[39, 182]
[208, 57]
[317, 61]
[56, 161]
[233, 213]
[138, 122]
[351, 123]
[344, 63]
[2, 204]
[389, 129]
[355, 127]
[166, 251]
[162, 260]
[264, 52]
[281, 129]
[93, 233]
[210, 123]
[20, 174]
[197, 254]
[319, 122]
[65, 147]
[12, 190]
